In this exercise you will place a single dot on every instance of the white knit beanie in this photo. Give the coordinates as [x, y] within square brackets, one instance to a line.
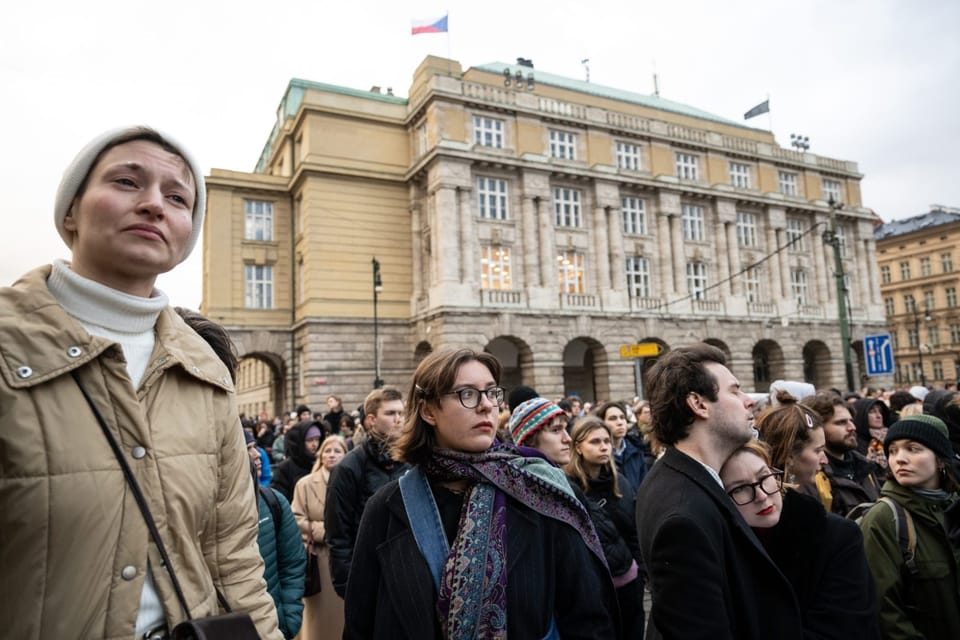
[77, 172]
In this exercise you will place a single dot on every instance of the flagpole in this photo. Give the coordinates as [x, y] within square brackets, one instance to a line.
[770, 117]
[449, 55]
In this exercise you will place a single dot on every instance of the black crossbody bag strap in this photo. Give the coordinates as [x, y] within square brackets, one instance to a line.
[141, 501]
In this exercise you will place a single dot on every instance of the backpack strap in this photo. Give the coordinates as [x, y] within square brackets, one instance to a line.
[274, 505]
[425, 521]
[906, 533]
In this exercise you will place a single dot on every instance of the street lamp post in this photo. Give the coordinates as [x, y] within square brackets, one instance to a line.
[916, 328]
[831, 238]
[377, 288]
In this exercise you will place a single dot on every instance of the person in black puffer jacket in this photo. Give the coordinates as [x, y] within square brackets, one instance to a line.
[592, 469]
[300, 445]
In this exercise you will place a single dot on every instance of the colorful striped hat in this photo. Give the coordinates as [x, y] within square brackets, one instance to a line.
[531, 416]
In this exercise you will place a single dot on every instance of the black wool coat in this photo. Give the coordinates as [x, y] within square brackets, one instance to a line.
[550, 572]
[709, 576]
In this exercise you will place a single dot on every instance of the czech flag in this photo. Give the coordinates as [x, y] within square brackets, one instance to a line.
[438, 25]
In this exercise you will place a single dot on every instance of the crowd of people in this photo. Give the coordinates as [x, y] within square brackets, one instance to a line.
[135, 504]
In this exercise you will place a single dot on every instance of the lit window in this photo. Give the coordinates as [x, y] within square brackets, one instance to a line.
[494, 267]
[628, 156]
[692, 222]
[787, 182]
[259, 286]
[492, 198]
[832, 190]
[570, 270]
[697, 280]
[488, 131]
[740, 175]
[563, 145]
[687, 166]
[634, 217]
[795, 234]
[566, 207]
[746, 229]
[798, 285]
[259, 220]
[638, 277]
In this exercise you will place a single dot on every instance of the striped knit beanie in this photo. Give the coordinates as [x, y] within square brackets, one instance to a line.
[531, 416]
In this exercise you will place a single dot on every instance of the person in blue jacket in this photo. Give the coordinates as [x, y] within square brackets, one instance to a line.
[284, 559]
[627, 447]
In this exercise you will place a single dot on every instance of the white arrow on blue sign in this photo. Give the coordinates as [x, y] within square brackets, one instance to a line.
[878, 352]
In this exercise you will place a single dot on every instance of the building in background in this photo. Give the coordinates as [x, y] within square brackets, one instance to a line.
[547, 220]
[919, 283]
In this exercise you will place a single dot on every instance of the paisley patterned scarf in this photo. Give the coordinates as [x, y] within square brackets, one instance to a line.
[472, 602]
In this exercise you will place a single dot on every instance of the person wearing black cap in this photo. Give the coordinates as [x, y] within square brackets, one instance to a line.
[519, 395]
[919, 596]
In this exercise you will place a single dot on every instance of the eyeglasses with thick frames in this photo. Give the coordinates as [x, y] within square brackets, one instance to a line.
[746, 493]
[470, 396]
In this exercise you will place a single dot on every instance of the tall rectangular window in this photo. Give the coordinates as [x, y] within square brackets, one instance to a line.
[638, 277]
[951, 296]
[494, 267]
[909, 304]
[928, 300]
[692, 222]
[925, 269]
[842, 239]
[885, 274]
[740, 175]
[946, 262]
[955, 334]
[913, 340]
[563, 145]
[938, 369]
[933, 336]
[746, 229]
[798, 285]
[832, 190]
[259, 220]
[751, 284]
[687, 165]
[889, 307]
[259, 286]
[904, 270]
[795, 237]
[787, 181]
[492, 198]
[697, 280]
[634, 215]
[488, 131]
[570, 270]
[566, 207]
[628, 156]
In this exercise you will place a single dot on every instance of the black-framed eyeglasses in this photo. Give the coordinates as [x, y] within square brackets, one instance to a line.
[769, 484]
[470, 396]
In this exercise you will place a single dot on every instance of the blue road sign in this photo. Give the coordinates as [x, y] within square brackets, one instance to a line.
[878, 352]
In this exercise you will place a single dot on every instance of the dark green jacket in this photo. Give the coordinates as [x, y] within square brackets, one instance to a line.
[285, 563]
[935, 591]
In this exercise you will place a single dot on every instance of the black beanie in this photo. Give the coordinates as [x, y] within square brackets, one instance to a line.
[520, 395]
[929, 431]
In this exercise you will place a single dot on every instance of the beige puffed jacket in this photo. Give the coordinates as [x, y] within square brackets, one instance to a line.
[73, 544]
[309, 497]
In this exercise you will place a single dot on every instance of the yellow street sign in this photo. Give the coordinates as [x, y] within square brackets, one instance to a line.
[640, 350]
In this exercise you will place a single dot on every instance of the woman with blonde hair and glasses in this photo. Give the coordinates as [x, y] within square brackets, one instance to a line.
[476, 540]
[821, 554]
[593, 470]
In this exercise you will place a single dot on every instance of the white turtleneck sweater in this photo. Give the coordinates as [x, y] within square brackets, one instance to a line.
[129, 321]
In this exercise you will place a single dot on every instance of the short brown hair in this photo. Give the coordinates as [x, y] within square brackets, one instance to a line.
[824, 403]
[377, 397]
[786, 428]
[434, 377]
[673, 377]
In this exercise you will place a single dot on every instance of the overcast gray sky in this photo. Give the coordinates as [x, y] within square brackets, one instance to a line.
[875, 81]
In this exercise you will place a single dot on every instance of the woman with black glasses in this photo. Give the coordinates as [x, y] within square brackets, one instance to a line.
[820, 553]
[476, 540]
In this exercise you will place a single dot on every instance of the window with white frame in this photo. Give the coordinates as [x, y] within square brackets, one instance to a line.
[692, 216]
[938, 369]
[492, 198]
[638, 277]
[842, 239]
[566, 207]
[904, 270]
[909, 304]
[488, 131]
[955, 334]
[746, 229]
[946, 262]
[885, 274]
[795, 235]
[570, 271]
[832, 190]
[741, 175]
[259, 220]
[628, 156]
[563, 145]
[259, 286]
[928, 300]
[697, 280]
[951, 293]
[634, 215]
[751, 284]
[787, 180]
[925, 269]
[933, 336]
[889, 306]
[688, 166]
[913, 339]
[798, 285]
[494, 267]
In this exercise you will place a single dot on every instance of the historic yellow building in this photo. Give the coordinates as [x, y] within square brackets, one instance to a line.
[548, 220]
[918, 282]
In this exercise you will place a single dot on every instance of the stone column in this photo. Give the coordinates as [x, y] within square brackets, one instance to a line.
[870, 247]
[670, 206]
[469, 248]
[665, 280]
[530, 249]
[784, 263]
[728, 249]
[601, 253]
[446, 233]
[822, 264]
[618, 256]
[864, 279]
[416, 227]
[776, 288]
[548, 251]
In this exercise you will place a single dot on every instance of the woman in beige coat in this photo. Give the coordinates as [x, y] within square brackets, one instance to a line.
[323, 612]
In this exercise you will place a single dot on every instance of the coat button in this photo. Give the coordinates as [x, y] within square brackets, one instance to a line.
[24, 372]
[74, 351]
[138, 452]
[129, 572]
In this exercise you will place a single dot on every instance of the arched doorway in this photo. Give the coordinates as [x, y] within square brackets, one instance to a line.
[422, 350]
[259, 384]
[767, 365]
[516, 358]
[645, 365]
[816, 364]
[583, 359]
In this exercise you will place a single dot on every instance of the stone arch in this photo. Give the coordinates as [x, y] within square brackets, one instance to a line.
[586, 369]
[516, 358]
[422, 350]
[816, 364]
[720, 344]
[260, 384]
[647, 364]
[768, 364]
